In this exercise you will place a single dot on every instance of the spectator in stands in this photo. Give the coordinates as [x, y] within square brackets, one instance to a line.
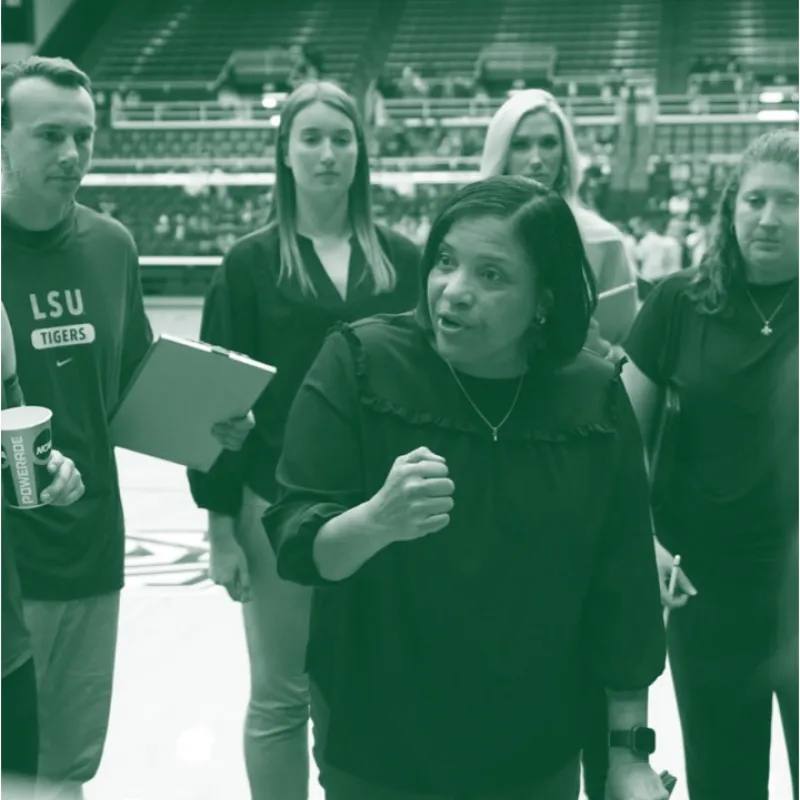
[468, 558]
[70, 287]
[108, 206]
[450, 145]
[320, 260]
[723, 335]
[677, 231]
[629, 240]
[657, 255]
[412, 84]
[593, 188]
[699, 239]
[375, 114]
[180, 227]
[162, 227]
[530, 135]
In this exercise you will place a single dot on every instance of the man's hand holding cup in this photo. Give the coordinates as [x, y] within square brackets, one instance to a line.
[67, 485]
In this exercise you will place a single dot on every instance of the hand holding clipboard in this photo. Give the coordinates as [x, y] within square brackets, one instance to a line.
[180, 398]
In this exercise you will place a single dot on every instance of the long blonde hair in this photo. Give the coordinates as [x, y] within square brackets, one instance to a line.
[283, 210]
[497, 144]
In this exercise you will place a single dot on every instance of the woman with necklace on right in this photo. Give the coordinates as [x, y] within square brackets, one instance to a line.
[721, 335]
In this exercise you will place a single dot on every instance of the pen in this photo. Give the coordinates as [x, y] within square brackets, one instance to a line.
[668, 781]
[673, 580]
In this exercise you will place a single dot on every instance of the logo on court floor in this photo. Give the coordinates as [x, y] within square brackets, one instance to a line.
[167, 560]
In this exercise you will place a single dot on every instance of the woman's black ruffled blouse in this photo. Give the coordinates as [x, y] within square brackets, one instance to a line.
[457, 662]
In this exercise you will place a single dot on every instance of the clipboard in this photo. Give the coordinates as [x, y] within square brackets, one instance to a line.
[613, 313]
[180, 391]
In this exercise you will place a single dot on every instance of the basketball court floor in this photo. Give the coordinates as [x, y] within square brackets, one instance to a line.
[182, 674]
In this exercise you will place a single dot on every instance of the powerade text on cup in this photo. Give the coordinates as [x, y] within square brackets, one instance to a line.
[26, 447]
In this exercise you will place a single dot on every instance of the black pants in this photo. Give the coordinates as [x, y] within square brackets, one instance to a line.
[729, 654]
[724, 649]
[20, 723]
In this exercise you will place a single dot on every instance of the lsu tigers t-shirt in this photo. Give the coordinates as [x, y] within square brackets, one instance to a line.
[73, 297]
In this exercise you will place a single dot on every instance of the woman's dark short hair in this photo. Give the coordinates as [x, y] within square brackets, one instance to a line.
[549, 236]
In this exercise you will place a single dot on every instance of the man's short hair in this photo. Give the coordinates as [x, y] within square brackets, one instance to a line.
[60, 71]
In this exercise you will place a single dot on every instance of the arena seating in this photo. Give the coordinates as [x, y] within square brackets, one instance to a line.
[708, 139]
[180, 143]
[590, 37]
[446, 37]
[750, 32]
[165, 42]
[256, 143]
[169, 40]
[443, 36]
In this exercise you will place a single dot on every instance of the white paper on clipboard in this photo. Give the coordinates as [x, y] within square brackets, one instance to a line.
[180, 391]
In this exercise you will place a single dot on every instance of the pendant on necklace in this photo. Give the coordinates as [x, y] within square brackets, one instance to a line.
[494, 434]
[766, 330]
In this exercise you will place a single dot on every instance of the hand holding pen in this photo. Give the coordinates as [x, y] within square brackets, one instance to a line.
[676, 588]
[673, 581]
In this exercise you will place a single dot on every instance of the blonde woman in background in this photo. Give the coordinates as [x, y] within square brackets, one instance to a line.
[530, 135]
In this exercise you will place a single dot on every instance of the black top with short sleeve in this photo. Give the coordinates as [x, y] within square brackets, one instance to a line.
[456, 662]
[728, 509]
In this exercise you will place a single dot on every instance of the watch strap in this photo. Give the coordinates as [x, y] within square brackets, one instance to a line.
[621, 739]
[640, 740]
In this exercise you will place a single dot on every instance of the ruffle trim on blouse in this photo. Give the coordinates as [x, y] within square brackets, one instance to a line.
[417, 418]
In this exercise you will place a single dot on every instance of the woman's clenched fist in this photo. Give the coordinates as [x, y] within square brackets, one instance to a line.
[416, 499]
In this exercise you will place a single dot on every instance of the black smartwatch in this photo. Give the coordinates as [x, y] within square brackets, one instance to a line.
[640, 740]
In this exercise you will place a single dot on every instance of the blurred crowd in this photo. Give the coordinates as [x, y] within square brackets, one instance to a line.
[397, 140]
[206, 220]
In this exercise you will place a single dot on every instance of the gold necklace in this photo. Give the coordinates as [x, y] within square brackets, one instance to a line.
[493, 428]
[767, 329]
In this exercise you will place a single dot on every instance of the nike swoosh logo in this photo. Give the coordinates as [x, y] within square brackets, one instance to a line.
[61, 363]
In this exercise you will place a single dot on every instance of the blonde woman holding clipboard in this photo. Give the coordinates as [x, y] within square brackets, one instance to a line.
[320, 260]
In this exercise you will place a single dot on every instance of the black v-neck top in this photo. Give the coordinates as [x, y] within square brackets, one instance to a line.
[457, 662]
[248, 310]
